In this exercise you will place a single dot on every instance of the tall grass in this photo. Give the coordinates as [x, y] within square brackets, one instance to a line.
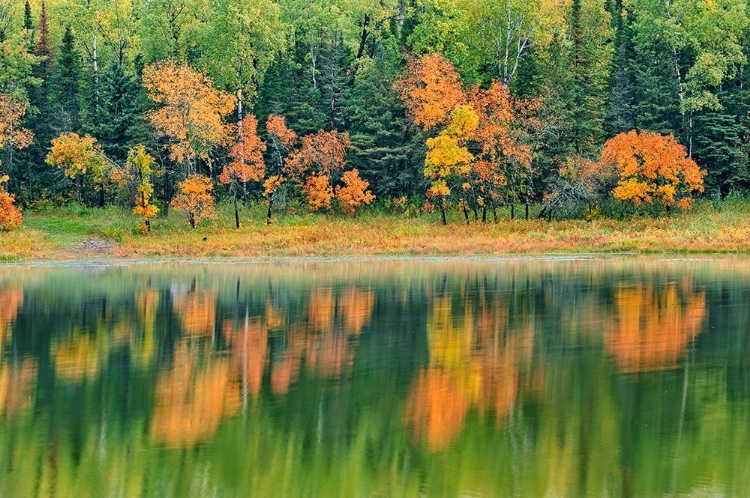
[722, 227]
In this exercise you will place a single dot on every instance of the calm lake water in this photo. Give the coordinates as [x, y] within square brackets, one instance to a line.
[531, 378]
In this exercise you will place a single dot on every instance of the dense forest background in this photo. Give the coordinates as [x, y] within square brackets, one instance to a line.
[592, 68]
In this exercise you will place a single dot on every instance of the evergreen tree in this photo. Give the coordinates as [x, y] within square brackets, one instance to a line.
[334, 81]
[65, 86]
[620, 117]
[386, 148]
[718, 145]
[122, 103]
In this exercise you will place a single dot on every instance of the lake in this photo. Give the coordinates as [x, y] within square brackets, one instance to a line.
[622, 376]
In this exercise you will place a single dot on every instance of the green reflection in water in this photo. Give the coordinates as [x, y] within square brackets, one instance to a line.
[619, 377]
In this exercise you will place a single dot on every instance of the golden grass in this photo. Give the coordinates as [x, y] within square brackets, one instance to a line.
[58, 235]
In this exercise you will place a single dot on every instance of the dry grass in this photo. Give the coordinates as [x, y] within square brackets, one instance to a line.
[58, 235]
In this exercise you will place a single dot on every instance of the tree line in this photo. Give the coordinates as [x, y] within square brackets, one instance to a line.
[425, 104]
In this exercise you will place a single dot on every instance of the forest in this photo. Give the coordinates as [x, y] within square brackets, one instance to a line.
[565, 108]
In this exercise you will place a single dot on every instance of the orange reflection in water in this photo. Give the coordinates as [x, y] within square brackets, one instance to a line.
[326, 340]
[654, 326]
[192, 399]
[475, 361]
[11, 300]
[17, 382]
[436, 408]
[249, 344]
[78, 358]
[196, 309]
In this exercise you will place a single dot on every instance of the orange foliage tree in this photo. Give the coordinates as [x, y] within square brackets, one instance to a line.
[247, 163]
[78, 156]
[320, 156]
[12, 135]
[10, 215]
[192, 113]
[354, 193]
[432, 93]
[503, 161]
[281, 141]
[478, 143]
[652, 168]
[431, 89]
[195, 197]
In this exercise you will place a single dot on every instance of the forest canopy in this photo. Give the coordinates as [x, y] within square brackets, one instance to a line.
[336, 104]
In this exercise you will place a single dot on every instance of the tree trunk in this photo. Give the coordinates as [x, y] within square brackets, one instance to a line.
[484, 214]
[236, 214]
[148, 226]
[527, 209]
[513, 210]
[442, 211]
[191, 217]
[466, 213]
[270, 209]
[101, 196]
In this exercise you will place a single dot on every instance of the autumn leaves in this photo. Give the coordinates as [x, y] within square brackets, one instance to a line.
[476, 136]
[193, 120]
[480, 150]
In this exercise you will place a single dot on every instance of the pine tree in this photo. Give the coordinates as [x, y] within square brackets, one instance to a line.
[66, 86]
[37, 177]
[657, 105]
[620, 117]
[334, 81]
[386, 148]
[718, 145]
[122, 106]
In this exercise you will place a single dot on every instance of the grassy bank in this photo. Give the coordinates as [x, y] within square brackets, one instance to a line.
[81, 233]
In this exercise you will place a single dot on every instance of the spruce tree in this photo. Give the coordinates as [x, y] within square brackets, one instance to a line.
[122, 106]
[386, 148]
[619, 116]
[65, 86]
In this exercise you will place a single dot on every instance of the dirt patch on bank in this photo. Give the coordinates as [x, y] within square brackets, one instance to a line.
[93, 248]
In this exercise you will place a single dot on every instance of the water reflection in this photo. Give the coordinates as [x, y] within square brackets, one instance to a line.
[654, 325]
[398, 379]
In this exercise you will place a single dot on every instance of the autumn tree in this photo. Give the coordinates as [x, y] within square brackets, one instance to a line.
[12, 135]
[503, 161]
[320, 156]
[246, 161]
[195, 198]
[78, 156]
[652, 168]
[141, 163]
[192, 112]
[431, 89]
[448, 156]
[281, 141]
[10, 215]
[435, 100]
[354, 193]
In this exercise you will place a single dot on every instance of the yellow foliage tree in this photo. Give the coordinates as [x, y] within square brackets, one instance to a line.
[195, 198]
[447, 154]
[78, 156]
[192, 113]
[141, 162]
